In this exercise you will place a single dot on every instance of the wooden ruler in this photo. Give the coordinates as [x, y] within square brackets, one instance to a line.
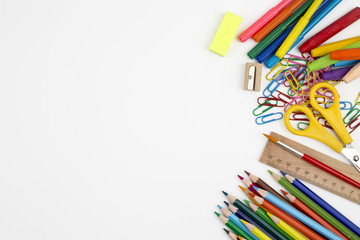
[281, 159]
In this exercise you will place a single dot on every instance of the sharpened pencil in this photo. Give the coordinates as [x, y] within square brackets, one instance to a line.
[232, 235]
[285, 227]
[256, 231]
[231, 225]
[249, 185]
[247, 192]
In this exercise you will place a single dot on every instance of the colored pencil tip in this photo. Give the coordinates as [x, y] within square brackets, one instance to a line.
[270, 172]
[242, 188]
[285, 193]
[247, 173]
[217, 214]
[225, 193]
[219, 207]
[226, 203]
[252, 194]
[247, 202]
[283, 173]
[256, 188]
[271, 138]
[227, 231]
[241, 178]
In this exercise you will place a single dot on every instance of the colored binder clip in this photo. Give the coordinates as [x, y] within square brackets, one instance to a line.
[253, 76]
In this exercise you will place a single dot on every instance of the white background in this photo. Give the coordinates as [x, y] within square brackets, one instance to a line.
[117, 122]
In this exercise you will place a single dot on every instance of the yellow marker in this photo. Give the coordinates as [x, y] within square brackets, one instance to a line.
[299, 27]
[225, 33]
[330, 47]
[284, 226]
[255, 231]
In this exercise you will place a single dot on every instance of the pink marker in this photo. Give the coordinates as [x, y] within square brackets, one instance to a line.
[263, 20]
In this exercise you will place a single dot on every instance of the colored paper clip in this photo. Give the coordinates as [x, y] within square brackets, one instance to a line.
[280, 95]
[273, 85]
[270, 101]
[323, 122]
[352, 114]
[293, 80]
[266, 108]
[298, 116]
[278, 71]
[354, 121]
[302, 125]
[344, 105]
[272, 117]
[297, 60]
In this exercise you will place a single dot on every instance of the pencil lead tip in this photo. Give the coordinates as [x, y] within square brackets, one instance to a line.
[270, 172]
[271, 138]
[226, 203]
[247, 201]
[219, 207]
[225, 193]
[217, 214]
[252, 194]
[285, 193]
[283, 173]
[247, 173]
[227, 231]
[241, 178]
[242, 188]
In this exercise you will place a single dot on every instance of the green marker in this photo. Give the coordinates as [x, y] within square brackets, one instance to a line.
[233, 226]
[279, 30]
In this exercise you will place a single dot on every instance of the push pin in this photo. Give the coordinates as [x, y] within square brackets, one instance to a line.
[253, 76]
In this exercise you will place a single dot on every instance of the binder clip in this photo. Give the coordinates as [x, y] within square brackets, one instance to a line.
[253, 76]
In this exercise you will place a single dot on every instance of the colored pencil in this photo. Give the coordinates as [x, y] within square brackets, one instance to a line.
[248, 33]
[256, 231]
[237, 203]
[298, 215]
[315, 207]
[352, 74]
[241, 215]
[330, 47]
[264, 215]
[346, 54]
[322, 203]
[278, 30]
[308, 211]
[232, 235]
[314, 162]
[331, 30]
[231, 225]
[276, 21]
[232, 217]
[289, 219]
[247, 192]
[285, 227]
[262, 184]
[249, 185]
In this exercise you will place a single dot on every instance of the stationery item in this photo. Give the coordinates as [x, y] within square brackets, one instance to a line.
[336, 74]
[333, 116]
[317, 17]
[346, 54]
[264, 215]
[262, 184]
[279, 158]
[249, 185]
[311, 204]
[232, 235]
[308, 211]
[233, 218]
[247, 192]
[231, 225]
[298, 215]
[282, 16]
[322, 203]
[242, 215]
[256, 231]
[325, 61]
[279, 30]
[271, 117]
[315, 162]
[299, 27]
[225, 34]
[254, 217]
[327, 48]
[248, 33]
[253, 76]
[331, 30]
[345, 63]
[285, 227]
[302, 228]
[352, 74]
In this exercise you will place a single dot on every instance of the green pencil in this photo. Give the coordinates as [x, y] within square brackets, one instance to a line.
[233, 226]
[316, 208]
[278, 30]
[262, 213]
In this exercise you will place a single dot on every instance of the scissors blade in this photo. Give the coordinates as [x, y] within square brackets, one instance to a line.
[352, 155]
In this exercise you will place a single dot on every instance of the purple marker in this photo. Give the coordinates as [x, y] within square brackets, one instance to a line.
[336, 74]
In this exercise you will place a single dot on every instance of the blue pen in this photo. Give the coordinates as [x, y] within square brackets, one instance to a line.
[328, 8]
[346, 63]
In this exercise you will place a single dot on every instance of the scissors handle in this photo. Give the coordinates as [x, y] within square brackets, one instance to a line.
[333, 113]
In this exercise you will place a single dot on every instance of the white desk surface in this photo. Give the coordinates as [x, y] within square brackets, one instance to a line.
[117, 122]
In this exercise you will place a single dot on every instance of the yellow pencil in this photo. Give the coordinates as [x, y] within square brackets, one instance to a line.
[330, 47]
[299, 27]
[284, 226]
[255, 231]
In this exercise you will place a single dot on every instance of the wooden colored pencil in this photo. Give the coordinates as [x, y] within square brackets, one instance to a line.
[247, 192]
[288, 219]
[232, 235]
[308, 211]
[323, 204]
[315, 207]
[249, 185]
[231, 225]
[256, 231]
[237, 203]
[285, 227]
[262, 184]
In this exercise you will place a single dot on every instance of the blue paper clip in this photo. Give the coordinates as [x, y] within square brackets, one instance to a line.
[270, 89]
[344, 105]
[263, 119]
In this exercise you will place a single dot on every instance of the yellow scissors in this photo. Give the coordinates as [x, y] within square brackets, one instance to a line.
[316, 131]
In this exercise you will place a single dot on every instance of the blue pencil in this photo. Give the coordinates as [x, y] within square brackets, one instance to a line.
[237, 221]
[298, 215]
[328, 8]
[322, 203]
[346, 63]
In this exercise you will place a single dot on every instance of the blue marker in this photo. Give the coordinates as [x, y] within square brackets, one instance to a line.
[346, 63]
[328, 8]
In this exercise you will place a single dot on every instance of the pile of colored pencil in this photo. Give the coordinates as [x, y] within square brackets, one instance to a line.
[298, 215]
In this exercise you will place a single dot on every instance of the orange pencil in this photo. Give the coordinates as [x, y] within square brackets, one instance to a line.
[287, 218]
[247, 192]
[346, 54]
[308, 211]
[284, 14]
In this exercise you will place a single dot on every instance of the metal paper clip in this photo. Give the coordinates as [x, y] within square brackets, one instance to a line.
[268, 118]
[278, 65]
[266, 108]
[270, 101]
[273, 85]
[353, 113]
[344, 105]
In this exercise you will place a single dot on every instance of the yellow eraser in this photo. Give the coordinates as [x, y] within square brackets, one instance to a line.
[225, 33]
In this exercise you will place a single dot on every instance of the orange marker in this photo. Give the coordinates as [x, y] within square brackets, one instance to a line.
[346, 54]
[282, 16]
